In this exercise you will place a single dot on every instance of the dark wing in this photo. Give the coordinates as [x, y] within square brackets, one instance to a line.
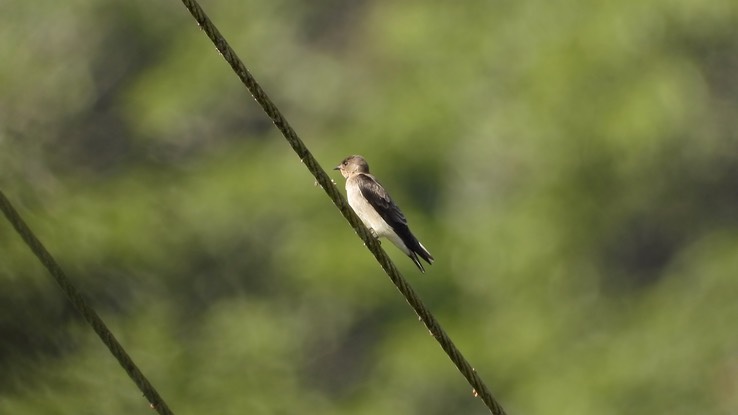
[380, 200]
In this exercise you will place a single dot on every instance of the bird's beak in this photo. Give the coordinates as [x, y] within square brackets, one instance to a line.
[337, 167]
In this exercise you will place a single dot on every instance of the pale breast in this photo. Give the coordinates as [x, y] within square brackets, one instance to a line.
[365, 211]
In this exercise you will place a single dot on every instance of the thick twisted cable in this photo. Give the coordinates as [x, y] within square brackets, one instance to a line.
[89, 314]
[320, 175]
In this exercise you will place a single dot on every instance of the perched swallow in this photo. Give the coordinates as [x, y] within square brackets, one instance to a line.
[376, 209]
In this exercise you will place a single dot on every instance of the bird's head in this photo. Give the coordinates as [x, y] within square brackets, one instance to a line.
[352, 165]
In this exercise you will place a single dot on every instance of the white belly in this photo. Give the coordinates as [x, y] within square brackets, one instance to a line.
[366, 212]
[371, 218]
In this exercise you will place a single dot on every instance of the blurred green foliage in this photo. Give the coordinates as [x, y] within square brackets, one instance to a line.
[573, 166]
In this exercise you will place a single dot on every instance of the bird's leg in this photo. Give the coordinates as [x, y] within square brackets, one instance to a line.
[374, 234]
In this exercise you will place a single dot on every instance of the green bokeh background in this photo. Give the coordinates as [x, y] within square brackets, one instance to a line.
[572, 165]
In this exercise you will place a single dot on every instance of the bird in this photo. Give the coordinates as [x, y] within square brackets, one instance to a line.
[377, 211]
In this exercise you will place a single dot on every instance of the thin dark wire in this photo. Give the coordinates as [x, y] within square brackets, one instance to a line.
[81, 305]
[371, 243]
